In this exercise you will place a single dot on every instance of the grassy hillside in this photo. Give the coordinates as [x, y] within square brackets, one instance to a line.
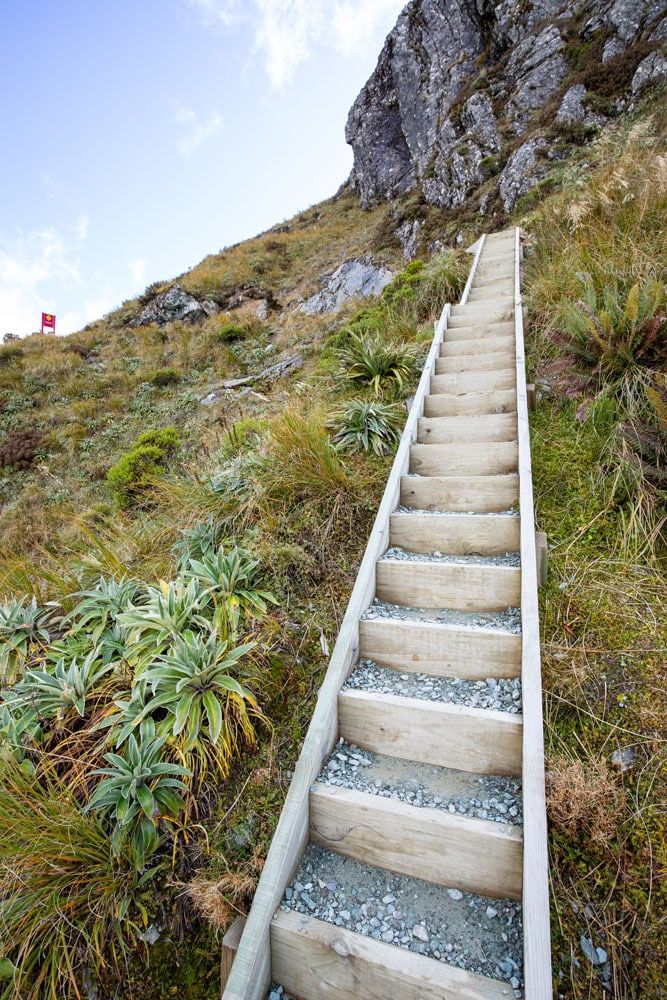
[204, 550]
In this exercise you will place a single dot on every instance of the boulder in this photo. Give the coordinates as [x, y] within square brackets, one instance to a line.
[522, 172]
[651, 72]
[355, 279]
[175, 304]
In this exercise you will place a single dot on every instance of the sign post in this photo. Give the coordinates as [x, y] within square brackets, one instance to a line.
[48, 323]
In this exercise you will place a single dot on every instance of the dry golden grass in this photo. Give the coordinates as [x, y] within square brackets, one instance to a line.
[584, 798]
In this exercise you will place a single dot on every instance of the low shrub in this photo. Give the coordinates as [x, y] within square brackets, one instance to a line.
[302, 465]
[615, 333]
[163, 376]
[131, 477]
[229, 333]
[64, 894]
[367, 427]
[21, 449]
[403, 288]
[370, 360]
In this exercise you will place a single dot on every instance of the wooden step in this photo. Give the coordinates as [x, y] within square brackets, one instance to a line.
[468, 427]
[455, 534]
[473, 459]
[480, 345]
[474, 381]
[439, 584]
[475, 331]
[477, 740]
[315, 960]
[500, 294]
[441, 650]
[478, 494]
[480, 314]
[461, 363]
[460, 852]
[449, 404]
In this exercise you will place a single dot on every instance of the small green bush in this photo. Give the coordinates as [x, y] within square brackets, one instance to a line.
[230, 332]
[615, 333]
[369, 426]
[164, 376]
[371, 360]
[403, 288]
[131, 476]
[167, 439]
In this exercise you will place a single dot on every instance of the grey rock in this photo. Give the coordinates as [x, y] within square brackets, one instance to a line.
[651, 71]
[427, 115]
[623, 759]
[535, 70]
[408, 235]
[420, 932]
[596, 956]
[354, 279]
[521, 173]
[174, 304]
[572, 110]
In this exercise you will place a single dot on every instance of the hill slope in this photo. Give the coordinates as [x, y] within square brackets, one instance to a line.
[251, 465]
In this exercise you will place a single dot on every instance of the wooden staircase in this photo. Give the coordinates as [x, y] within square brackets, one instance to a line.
[459, 498]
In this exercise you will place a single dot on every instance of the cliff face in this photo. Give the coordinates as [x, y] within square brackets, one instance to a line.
[465, 88]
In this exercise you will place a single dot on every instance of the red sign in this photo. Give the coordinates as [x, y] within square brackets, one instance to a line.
[48, 322]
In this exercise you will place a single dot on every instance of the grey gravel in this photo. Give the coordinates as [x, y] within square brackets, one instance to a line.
[445, 924]
[508, 620]
[491, 797]
[402, 509]
[508, 559]
[492, 693]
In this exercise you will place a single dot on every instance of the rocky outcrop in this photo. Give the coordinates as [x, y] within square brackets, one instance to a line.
[355, 279]
[175, 304]
[466, 89]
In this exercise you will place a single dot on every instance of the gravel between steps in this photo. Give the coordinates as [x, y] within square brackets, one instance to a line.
[507, 621]
[402, 509]
[482, 796]
[498, 695]
[472, 932]
[508, 559]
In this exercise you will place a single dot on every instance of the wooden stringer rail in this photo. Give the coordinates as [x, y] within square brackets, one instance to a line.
[461, 471]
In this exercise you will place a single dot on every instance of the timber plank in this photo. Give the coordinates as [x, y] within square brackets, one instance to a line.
[464, 534]
[471, 427]
[479, 494]
[474, 329]
[474, 382]
[495, 361]
[315, 960]
[474, 855]
[474, 458]
[477, 740]
[439, 649]
[481, 345]
[446, 404]
[459, 586]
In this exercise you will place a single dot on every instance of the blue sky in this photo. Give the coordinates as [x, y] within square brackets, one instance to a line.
[140, 135]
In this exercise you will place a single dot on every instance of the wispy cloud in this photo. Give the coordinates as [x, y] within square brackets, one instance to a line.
[81, 227]
[196, 130]
[286, 32]
[32, 264]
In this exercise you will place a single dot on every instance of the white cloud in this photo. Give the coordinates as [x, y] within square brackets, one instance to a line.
[138, 271]
[31, 266]
[197, 130]
[286, 32]
[81, 227]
